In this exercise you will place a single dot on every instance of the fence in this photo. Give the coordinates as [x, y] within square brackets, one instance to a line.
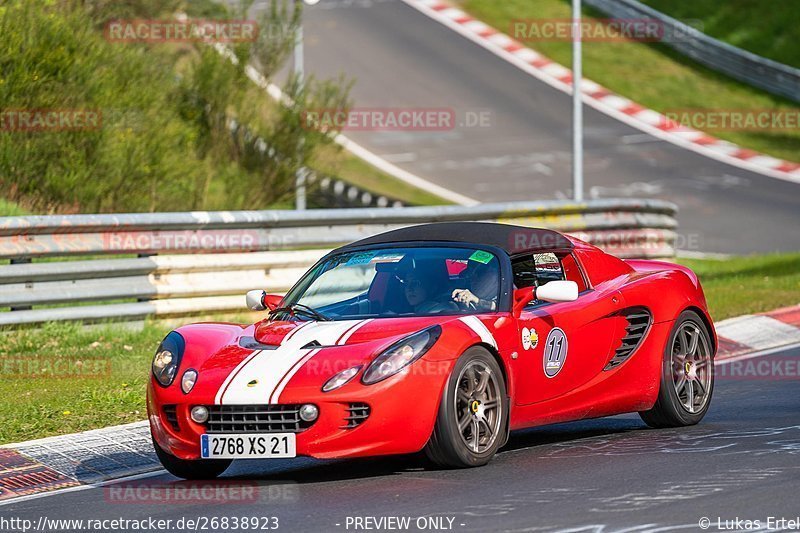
[129, 266]
[742, 65]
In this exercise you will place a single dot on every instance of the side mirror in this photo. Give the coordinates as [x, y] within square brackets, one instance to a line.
[258, 300]
[553, 291]
[558, 291]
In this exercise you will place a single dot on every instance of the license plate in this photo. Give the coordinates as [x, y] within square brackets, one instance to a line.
[248, 446]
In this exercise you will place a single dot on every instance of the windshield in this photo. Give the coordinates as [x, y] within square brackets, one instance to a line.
[401, 282]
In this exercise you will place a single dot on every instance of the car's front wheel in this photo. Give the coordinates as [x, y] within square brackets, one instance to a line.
[472, 421]
[199, 469]
[687, 376]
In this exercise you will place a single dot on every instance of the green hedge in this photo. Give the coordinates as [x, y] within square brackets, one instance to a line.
[164, 142]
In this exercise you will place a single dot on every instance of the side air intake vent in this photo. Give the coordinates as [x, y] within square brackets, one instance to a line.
[638, 323]
[171, 414]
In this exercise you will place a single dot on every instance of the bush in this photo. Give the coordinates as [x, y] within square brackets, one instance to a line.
[165, 142]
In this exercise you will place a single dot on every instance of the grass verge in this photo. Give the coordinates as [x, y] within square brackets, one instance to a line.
[49, 388]
[10, 209]
[752, 284]
[358, 172]
[769, 30]
[650, 74]
[65, 378]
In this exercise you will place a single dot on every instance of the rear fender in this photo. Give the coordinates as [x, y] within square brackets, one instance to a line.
[668, 290]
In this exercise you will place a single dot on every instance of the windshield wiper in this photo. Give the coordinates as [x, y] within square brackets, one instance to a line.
[301, 309]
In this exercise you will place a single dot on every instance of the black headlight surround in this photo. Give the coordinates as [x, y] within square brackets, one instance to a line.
[175, 344]
[433, 332]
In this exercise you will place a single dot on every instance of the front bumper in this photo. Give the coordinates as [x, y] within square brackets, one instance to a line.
[403, 411]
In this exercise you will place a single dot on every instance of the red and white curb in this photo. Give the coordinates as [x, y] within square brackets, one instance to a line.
[750, 333]
[75, 461]
[80, 461]
[602, 99]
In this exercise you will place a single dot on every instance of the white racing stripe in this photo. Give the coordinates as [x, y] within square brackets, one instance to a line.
[355, 328]
[234, 372]
[257, 380]
[276, 394]
[475, 324]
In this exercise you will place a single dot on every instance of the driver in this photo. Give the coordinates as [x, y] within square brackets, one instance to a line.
[482, 292]
[419, 291]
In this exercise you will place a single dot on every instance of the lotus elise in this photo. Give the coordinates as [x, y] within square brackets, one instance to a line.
[440, 338]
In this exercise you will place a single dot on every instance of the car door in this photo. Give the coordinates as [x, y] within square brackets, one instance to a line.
[563, 346]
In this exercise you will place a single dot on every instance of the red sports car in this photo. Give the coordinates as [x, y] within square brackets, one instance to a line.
[440, 337]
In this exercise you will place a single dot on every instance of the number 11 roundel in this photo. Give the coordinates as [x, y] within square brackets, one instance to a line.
[555, 352]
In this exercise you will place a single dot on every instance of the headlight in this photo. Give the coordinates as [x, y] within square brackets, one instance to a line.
[168, 359]
[188, 380]
[341, 379]
[401, 354]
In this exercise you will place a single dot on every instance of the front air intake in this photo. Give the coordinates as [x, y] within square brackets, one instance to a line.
[639, 320]
[357, 413]
[255, 419]
[171, 415]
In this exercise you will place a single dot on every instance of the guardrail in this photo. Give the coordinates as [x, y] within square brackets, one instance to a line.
[742, 65]
[213, 258]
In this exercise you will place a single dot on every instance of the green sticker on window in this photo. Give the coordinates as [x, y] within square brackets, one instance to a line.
[481, 257]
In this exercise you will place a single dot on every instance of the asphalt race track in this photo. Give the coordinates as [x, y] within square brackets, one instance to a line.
[401, 58]
[603, 475]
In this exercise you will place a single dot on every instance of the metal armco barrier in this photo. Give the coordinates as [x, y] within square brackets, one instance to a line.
[739, 64]
[204, 262]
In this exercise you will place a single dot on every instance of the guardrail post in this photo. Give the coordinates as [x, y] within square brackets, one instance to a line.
[145, 299]
[21, 261]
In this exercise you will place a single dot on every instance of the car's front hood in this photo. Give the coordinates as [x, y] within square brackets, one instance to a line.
[339, 332]
[287, 347]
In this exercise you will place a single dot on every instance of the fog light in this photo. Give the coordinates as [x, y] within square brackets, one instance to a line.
[188, 380]
[309, 413]
[199, 414]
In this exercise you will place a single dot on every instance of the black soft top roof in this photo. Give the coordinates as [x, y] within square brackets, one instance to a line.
[512, 239]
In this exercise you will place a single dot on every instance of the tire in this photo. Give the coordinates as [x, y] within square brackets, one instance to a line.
[687, 379]
[487, 410]
[199, 469]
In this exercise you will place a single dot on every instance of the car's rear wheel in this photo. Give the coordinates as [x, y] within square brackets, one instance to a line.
[687, 377]
[472, 421]
[199, 469]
